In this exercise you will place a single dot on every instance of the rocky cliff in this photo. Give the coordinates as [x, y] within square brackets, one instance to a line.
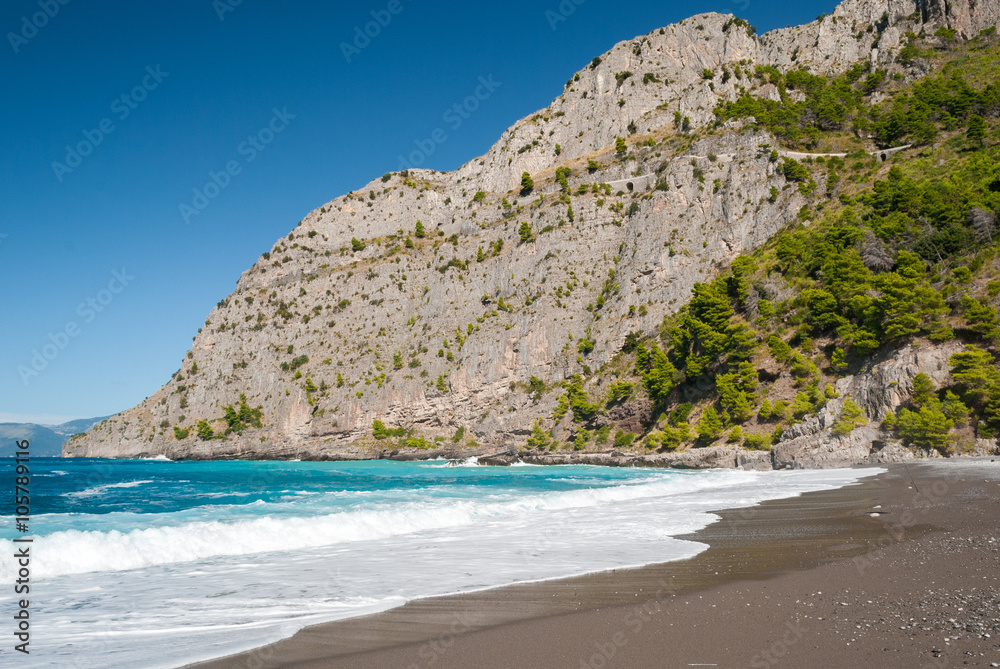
[445, 304]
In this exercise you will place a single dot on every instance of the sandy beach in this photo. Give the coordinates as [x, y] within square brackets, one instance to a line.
[901, 570]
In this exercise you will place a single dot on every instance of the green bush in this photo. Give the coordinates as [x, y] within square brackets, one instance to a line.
[539, 437]
[180, 434]
[524, 232]
[582, 408]
[417, 442]
[380, 431]
[851, 416]
[674, 435]
[620, 391]
[562, 178]
[794, 170]
[204, 430]
[239, 419]
[623, 439]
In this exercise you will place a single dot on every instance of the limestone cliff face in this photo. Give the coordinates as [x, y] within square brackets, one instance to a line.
[354, 317]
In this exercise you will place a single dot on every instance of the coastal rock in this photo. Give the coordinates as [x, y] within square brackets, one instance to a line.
[713, 457]
[885, 452]
[822, 450]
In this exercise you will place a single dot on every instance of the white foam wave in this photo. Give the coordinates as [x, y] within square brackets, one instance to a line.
[101, 489]
[472, 461]
[75, 551]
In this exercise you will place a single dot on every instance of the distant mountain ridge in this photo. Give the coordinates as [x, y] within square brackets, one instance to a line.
[46, 440]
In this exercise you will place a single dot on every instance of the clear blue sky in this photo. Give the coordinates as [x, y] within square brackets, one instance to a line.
[211, 83]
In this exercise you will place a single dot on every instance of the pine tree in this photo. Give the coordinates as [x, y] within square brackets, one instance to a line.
[929, 428]
[710, 426]
[955, 409]
[204, 430]
[981, 318]
[851, 416]
[977, 129]
[539, 437]
[620, 147]
[419, 231]
[524, 231]
[974, 369]
[527, 184]
[923, 390]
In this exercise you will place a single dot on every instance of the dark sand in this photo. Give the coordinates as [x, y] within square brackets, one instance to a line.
[812, 581]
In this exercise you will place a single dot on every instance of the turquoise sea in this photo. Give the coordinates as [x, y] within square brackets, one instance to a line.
[153, 563]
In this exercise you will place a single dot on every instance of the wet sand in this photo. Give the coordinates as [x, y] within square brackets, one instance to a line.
[900, 570]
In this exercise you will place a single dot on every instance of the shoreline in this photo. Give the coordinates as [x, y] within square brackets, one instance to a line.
[750, 551]
[782, 456]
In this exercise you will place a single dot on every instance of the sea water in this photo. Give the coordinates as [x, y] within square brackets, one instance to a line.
[152, 563]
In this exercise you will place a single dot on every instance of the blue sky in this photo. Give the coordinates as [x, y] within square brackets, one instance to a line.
[102, 275]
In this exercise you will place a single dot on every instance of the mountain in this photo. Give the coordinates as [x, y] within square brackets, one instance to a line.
[606, 274]
[69, 428]
[46, 440]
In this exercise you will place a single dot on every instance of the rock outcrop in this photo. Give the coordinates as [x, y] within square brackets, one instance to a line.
[422, 301]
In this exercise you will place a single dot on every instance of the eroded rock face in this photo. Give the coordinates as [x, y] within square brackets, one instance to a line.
[884, 384]
[822, 450]
[327, 336]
